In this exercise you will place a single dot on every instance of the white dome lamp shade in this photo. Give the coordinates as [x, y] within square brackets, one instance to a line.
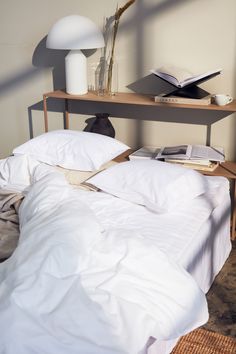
[75, 33]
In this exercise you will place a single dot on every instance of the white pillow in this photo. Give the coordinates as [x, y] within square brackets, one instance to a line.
[71, 149]
[160, 186]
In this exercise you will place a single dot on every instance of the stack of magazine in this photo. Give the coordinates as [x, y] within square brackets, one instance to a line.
[199, 157]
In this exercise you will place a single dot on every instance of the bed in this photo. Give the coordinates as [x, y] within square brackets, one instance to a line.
[118, 261]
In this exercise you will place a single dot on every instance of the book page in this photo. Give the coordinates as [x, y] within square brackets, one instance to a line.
[182, 77]
[179, 74]
[148, 152]
[208, 152]
[178, 152]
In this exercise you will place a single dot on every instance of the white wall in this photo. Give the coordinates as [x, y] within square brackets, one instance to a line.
[197, 34]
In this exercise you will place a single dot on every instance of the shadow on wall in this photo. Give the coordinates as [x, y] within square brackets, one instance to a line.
[46, 58]
[55, 59]
[17, 79]
[43, 58]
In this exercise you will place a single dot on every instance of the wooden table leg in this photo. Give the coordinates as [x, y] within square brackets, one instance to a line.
[66, 114]
[233, 226]
[45, 113]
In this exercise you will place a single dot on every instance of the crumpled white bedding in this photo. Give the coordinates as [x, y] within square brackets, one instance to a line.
[73, 286]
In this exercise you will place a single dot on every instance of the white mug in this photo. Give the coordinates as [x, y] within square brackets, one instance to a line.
[222, 99]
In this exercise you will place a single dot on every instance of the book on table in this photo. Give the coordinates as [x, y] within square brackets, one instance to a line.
[210, 166]
[184, 82]
[145, 152]
[171, 99]
[180, 77]
[192, 152]
[197, 157]
[203, 162]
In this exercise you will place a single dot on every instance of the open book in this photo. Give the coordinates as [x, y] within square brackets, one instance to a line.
[191, 152]
[181, 77]
[145, 152]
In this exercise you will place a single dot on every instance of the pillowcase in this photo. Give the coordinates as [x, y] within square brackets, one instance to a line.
[76, 150]
[77, 178]
[160, 186]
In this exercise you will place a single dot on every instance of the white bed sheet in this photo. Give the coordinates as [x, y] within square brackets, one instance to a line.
[198, 240]
[204, 256]
[186, 235]
[181, 235]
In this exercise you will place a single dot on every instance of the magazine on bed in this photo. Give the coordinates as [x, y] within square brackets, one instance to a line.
[191, 152]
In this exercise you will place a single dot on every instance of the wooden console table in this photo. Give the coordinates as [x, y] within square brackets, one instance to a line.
[124, 98]
[226, 169]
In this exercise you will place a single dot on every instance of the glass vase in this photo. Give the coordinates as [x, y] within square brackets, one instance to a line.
[112, 78]
[101, 77]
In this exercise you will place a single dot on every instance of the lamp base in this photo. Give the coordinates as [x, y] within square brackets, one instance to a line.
[76, 73]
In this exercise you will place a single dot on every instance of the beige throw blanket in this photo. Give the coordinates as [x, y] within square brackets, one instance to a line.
[9, 222]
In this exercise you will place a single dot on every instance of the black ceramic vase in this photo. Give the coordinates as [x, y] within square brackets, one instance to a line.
[102, 125]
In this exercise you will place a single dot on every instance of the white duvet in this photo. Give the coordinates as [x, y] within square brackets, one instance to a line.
[73, 286]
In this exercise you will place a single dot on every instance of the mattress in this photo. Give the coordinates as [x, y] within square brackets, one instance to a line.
[204, 256]
[196, 235]
[198, 240]
[186, 235]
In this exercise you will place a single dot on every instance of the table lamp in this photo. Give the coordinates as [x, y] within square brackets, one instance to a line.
[75, 33]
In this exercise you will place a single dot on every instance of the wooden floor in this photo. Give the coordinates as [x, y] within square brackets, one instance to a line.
[202, 341]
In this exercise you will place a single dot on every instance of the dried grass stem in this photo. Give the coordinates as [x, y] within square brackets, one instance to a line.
[118, 14]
